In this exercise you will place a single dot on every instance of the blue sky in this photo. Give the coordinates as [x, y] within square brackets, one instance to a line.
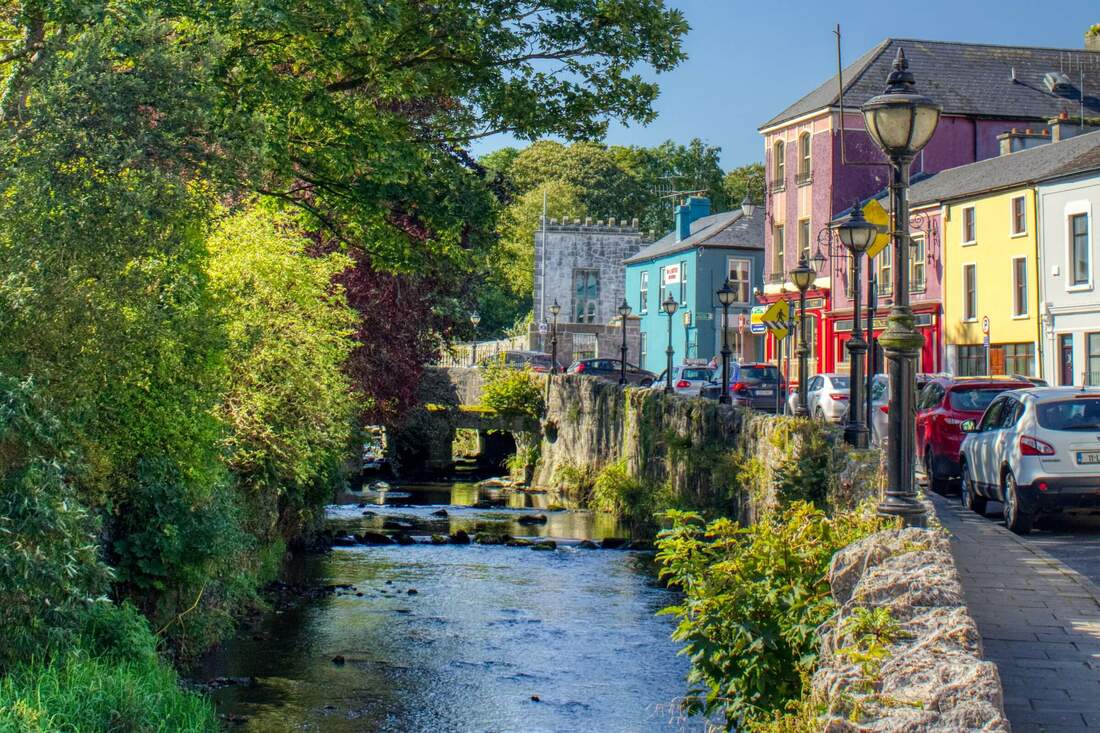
[749, 60]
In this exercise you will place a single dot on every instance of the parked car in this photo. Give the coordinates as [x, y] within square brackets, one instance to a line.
[942, 407]
[827, 396]
[537, 360]
[1035, 381]
[878, 420]
[687, 379]
[753, 384]
[609, 370]
[1036, 450]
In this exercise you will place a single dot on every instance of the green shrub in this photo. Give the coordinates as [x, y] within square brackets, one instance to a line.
[512, 391]
[634, 500]
[753, 598]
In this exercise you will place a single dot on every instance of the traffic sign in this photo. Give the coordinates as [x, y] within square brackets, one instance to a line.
[874, 213]
[985, 325]
[544, 328]
[985, 341]
[755, 324]
[775, 318]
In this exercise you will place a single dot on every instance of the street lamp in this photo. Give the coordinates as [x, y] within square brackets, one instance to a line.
[748, 208]
[802, 277]
[901, 122]
[856, 234]
[474, 319]
[555, 309]
[624, 311]
[669, 307]
[726, 296]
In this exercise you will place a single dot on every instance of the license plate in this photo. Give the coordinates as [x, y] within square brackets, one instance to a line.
[1088, 457]
[764, 392]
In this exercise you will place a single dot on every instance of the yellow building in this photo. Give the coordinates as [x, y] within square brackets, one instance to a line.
[990, 278]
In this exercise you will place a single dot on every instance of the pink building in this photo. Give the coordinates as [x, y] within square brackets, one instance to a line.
[985, 91]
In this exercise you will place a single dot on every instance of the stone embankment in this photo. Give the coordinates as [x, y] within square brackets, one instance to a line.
[917, 666]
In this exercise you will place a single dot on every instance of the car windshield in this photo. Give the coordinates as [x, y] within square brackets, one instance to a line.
[763, 373]
[879, 388]
[1076, 414]
[696, 374]
[840, 382]
[975, 399]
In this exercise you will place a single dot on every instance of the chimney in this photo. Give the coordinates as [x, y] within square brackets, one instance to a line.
[695, 208]
[1016, 139]
[1063, 127]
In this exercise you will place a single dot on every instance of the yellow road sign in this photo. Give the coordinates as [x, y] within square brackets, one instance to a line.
[775, 318]
[874, 213]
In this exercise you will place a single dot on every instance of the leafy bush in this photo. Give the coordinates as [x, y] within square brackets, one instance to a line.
[512, 391]
[630, 498]
[753, 598]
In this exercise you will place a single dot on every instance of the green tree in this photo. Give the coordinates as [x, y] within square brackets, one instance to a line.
[748, 180]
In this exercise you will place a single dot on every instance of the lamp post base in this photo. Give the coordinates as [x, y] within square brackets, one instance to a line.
[856, 436]
[911, 510]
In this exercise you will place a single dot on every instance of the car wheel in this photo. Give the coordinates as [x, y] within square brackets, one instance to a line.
[1017, 519]
[935, 482]
[646, 383]
[969, 499]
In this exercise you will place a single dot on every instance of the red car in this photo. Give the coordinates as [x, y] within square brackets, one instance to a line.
[943, 405]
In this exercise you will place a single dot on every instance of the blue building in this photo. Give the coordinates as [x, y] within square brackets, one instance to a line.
[691, 263]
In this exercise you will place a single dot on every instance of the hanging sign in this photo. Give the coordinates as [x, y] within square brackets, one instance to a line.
[874, 213]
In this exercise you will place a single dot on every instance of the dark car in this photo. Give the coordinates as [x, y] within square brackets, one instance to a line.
[537, 360]
[942, 407]
[610, 369]
[758, 385]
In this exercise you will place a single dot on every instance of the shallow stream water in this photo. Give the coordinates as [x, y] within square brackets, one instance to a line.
[450, 637]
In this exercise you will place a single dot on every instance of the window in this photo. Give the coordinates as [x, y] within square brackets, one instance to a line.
[1019, 215]
[643, 350]
[971, 361]
[740, 278]
[885, 268]
[1019, 358]
[970, 292]
[804, 239]
[779, 164]
[643, 292]
[804, 158]
[1019, 287]
[586, 295]
[777, 250]
[1092, 343]
[1079, 249]
[918, 253]
[683, 283]
[1075, 414]
[991, 420]
[584, 346]
[970, 232]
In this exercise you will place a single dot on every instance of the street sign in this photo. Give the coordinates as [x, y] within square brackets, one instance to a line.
[755, 324]
[874, 213]
[741, 323]
[775, 318]
[985, 326]
[544, 328]
[985, 341]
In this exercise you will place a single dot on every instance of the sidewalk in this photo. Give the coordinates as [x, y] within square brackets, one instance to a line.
[1039, 621]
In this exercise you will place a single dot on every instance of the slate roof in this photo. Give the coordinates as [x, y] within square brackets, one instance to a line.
[727, 229]
[967, 79]
[1052, 160]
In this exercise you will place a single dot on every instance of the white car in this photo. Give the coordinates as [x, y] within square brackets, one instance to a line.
[1037, 450]
[827, 397]
[687, 379]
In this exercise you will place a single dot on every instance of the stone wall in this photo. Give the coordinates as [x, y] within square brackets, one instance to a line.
[930, 677]
[711, 455]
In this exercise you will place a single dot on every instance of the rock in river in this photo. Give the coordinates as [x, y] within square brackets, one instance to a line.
[588, 545]
[532, 519]
[439, 539]
[460, 537]
[545, 545]
[394, 524]
[440, 513]
[343, 542]
[375, 538]
[612, 543]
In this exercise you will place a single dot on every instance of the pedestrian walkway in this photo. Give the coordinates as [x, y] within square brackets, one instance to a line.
[1039, 620]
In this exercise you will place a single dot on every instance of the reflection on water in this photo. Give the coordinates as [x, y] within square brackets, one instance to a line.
[463, 638]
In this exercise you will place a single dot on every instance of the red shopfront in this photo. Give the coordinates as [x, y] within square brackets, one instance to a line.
[817, 326]
[928, 322]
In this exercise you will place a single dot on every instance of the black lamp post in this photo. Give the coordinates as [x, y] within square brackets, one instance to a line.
[669, 307]
[474, 319]
[624, 311]
[726, 296]
[555, 309]
[856, 234]
[802, 277]
[901, 122]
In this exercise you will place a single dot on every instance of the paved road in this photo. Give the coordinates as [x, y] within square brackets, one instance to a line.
[1038, 612]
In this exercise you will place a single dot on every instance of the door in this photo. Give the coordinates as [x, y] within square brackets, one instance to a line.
[1010, 415]
[983, 445]
[1065, 352]
[996, 360]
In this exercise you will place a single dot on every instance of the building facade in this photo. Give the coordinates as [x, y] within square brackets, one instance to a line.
[820, 162]
[691, 263]
[1068, 254]
[579, 266]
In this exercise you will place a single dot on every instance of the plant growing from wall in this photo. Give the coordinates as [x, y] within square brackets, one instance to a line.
[634, 500]
[519, 392]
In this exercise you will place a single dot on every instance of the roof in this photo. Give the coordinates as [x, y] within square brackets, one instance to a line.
[967, 79]
[1079, 154]
[727, 229]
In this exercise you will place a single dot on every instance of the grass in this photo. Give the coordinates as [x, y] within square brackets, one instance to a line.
[84, 694]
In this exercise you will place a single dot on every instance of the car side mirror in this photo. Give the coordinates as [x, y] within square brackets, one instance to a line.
[969, 426]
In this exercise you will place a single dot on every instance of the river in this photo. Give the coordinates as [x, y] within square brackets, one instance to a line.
[451, 637]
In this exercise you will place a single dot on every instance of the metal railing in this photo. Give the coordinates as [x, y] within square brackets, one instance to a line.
[463, 354]
[778, 185]
[804, 178]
